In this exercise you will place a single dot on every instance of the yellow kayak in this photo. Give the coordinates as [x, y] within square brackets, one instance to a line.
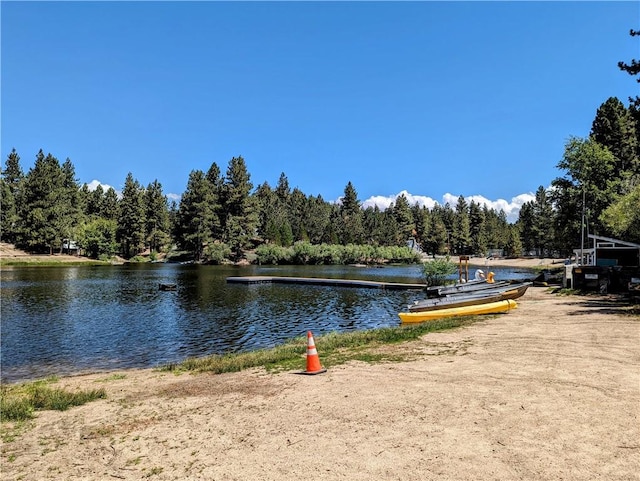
[490, 308]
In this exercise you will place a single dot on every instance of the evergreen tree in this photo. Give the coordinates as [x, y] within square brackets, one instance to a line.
[173, 217]
[11, 183]
[216, 191]
[404, 220]
[495, 229]
[296, 207]
[266, 203]
[94, 201]
[110, 208]
[476, 229]
[423, 224]
[131, 220]
[196, 216]
[513, 245]
[440, 238]
[240, 216]
[282, 189]
[461, 228]
[372, 221]
[615, 128]
[389, 230]
[351, 214]
[318, 220]
[40, 211]
[157, 227]
[526, 227]
[71, 205]
[542, 228]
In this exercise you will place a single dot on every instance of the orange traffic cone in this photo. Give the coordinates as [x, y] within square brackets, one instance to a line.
[313, 361]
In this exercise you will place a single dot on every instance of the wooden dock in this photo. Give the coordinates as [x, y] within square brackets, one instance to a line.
[317, 281]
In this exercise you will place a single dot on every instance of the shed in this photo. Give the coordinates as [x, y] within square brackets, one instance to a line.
[609, 264]
[608, 252]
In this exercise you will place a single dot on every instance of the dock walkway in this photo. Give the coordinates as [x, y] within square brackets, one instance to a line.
[323, 282]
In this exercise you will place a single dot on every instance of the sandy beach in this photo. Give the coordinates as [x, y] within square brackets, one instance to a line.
[548, 391]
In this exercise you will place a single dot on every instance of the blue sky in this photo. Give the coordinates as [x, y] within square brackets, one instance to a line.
[435, 99]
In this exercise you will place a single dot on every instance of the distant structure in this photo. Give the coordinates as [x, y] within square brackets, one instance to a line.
[414, 245]
[609, 265]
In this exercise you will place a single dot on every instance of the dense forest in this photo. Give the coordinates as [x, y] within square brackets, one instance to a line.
[222, 216]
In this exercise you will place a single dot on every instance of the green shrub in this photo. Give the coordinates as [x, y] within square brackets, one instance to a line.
[436, 271]
[302, 253]
[217, 252]
[272, 254]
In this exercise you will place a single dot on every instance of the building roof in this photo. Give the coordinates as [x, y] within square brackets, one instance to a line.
[617, 242]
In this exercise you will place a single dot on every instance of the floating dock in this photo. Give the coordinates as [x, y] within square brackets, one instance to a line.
[324, 282]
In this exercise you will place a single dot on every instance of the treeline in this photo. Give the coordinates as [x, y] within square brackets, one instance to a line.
[221, 216]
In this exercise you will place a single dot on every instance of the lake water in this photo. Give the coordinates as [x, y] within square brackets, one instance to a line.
[67, 320]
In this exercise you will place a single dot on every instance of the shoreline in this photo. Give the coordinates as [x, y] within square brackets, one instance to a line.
[500, 398]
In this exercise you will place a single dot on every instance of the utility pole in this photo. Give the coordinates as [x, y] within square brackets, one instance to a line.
[582, 229]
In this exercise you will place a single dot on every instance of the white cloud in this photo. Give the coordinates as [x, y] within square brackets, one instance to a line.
[510, 208]
[384, 202]
[175, 197]
[93, 185]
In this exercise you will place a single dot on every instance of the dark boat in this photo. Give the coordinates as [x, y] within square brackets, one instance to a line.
[168, 287]
[464, 287]
[499, 292]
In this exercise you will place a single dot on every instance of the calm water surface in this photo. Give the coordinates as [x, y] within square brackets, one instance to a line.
[65, 320]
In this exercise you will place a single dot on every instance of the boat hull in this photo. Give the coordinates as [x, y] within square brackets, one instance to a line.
[501, 293]
[465, 288]
[476, 309]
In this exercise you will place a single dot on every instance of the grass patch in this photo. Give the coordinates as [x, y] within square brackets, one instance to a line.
[113, 377]
[48, 263]
[19, 402]
[334, 349]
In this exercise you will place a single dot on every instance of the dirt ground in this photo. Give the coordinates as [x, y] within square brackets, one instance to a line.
[8, 251]
[548, 391]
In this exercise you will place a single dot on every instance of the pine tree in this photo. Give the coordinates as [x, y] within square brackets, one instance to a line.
[526, 226]
[461, 229]
[195, 217]
[11, 184]
[542, 228]
[94, 200]
[404, 220]
[240, 216]
[157, 228]
[477, 230]
[110, 208]
[352, 232]
[40, 211]
[318, 219]
[292, 213]
[131, 219]
[615, 128]
[70, 203]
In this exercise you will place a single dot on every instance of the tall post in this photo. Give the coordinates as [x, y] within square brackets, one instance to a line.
[582, 230]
